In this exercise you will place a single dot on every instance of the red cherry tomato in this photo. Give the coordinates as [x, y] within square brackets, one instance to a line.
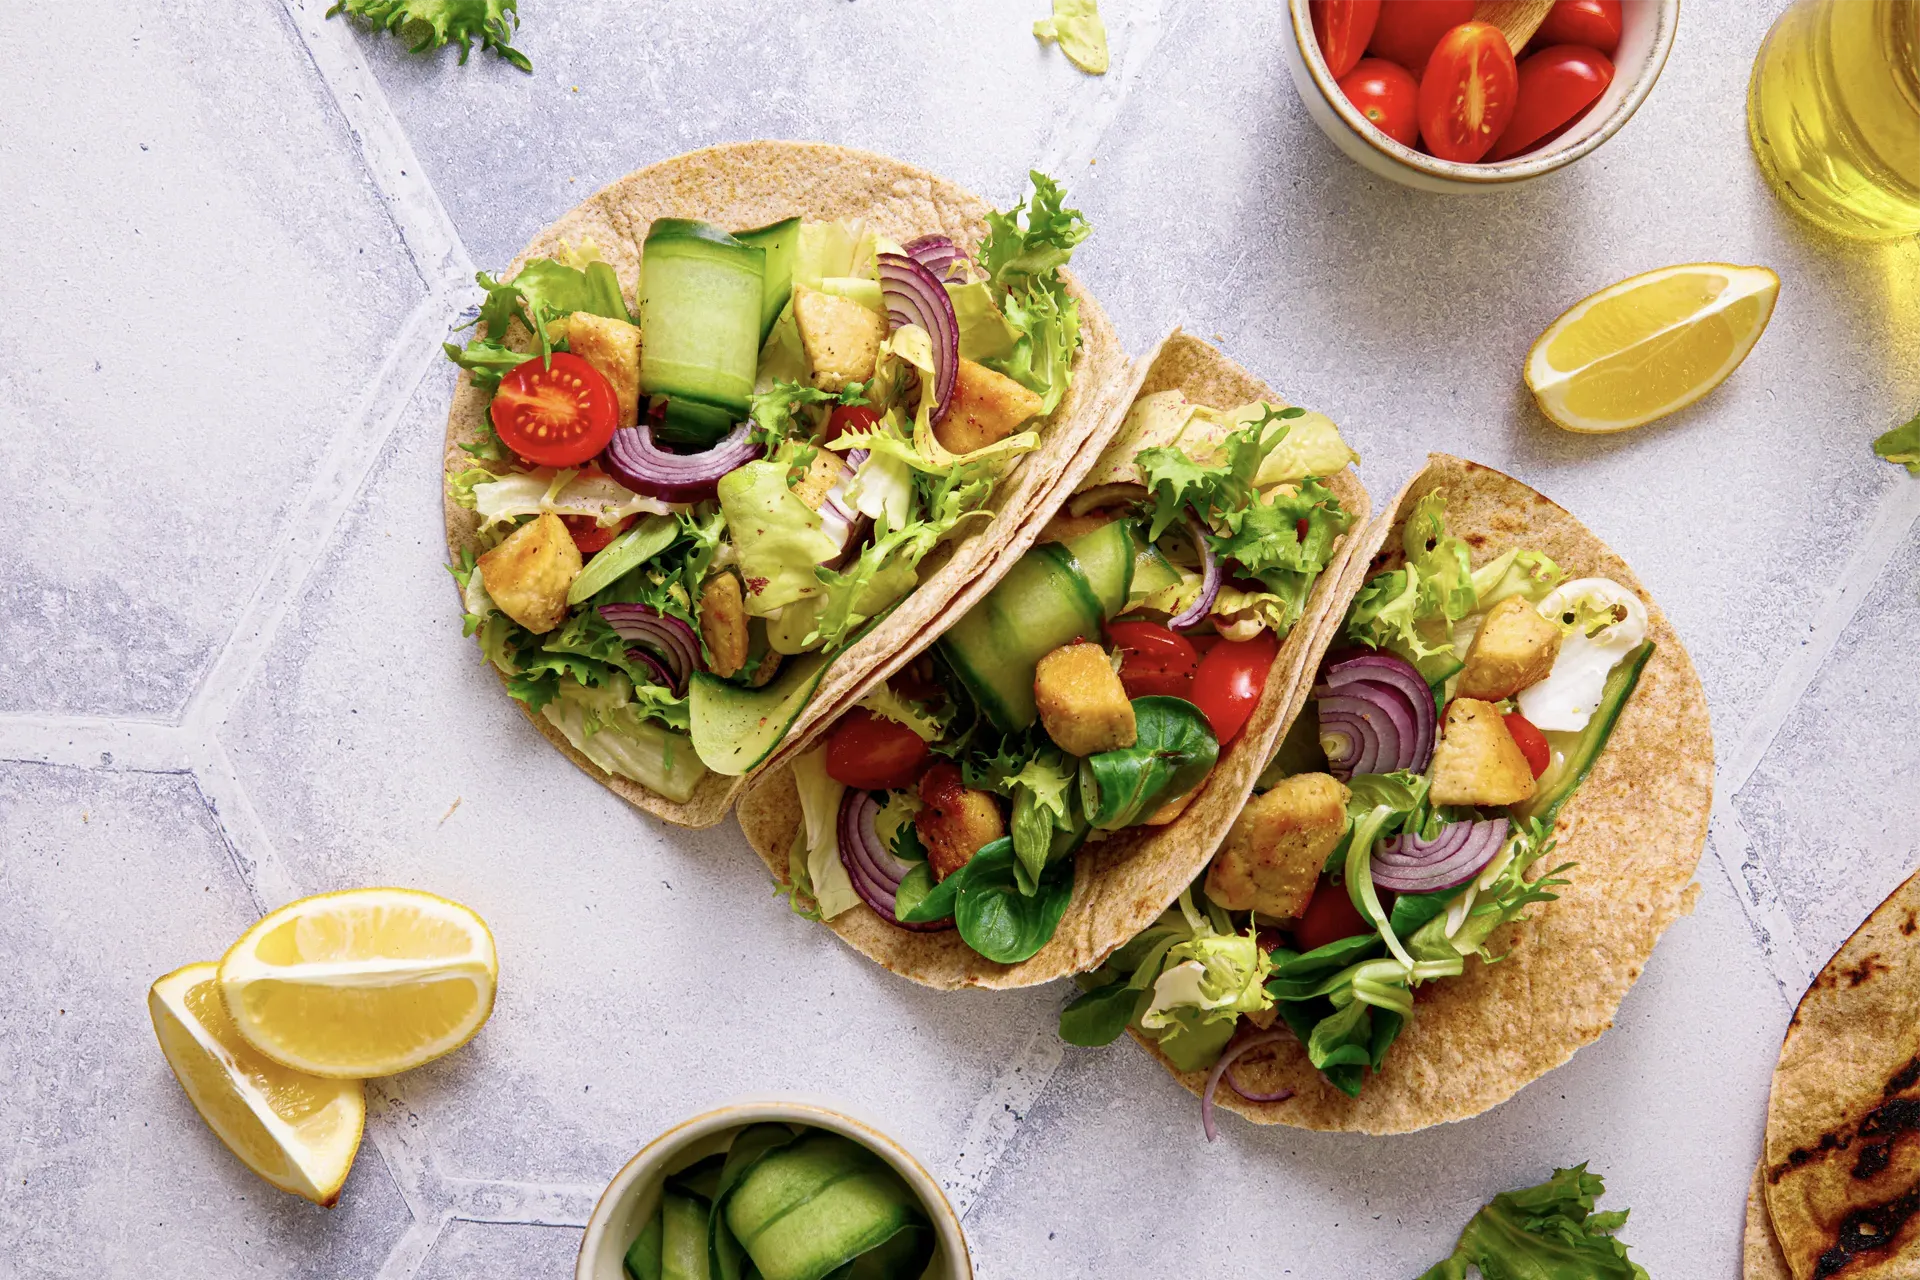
[874, 753]
[1408, 29]
[1229, 680]
[1329, 917]
[1467, 94]
[1342, 28]
[1594, 23]
[1556, 86]
[849, 417]
[1387, 95]
[557, 414]
[1154, 659]
[589, 535]
[1532, 743]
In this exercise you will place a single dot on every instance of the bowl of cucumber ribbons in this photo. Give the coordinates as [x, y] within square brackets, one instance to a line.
[776, 1188]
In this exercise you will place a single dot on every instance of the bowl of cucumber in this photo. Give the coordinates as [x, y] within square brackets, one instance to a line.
[774, 1187]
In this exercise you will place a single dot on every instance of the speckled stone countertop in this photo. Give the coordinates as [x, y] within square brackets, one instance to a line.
[235, 236]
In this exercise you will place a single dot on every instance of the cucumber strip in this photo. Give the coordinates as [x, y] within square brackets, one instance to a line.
[750, 1146]
[700, 304]
[643, 1256]
[807, 1209]
[1042, 603]
[735, 728]
[1105, 558]
[683, 1238]
[1570, 772]
[689, 422]
[647, 539]
[1152, 572]
[781, 242]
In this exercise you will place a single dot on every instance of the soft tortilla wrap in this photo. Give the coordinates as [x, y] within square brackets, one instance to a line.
[1635, 828]
[1760, 1254]
[1842, 1165]
[750, 184]
[1122, 883]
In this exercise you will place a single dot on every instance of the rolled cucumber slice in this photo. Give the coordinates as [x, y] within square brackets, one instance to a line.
[1105, 558]
[643, 1256]
[1572, 766]
[683, 1238]
[1152, 572]
[781, 241]
[735, 728]
[806, 1210]
[701, 297]
[1041, 604]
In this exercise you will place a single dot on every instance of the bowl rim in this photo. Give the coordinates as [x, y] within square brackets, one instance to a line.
[1499, 172]
[798, 1110]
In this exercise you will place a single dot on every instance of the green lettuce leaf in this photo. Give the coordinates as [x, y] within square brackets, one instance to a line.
[1042, 804]
[1548, 1232]
[434, 23]
[780, 539]
[831, 887]
[1901, 445]
[1082, 36]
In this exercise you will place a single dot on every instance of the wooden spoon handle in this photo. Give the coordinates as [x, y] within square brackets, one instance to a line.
[1517, 19]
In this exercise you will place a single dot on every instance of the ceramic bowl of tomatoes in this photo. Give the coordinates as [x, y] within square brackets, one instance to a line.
[1431, 94]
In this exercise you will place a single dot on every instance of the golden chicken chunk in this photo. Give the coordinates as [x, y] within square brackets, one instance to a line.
[826, 468]
[955, 821]
[1477, 760]
[841, 338]
[1271, 859]
[528, 574]
[1515, 648]
[612, 347]
[723, 624]
[986, 407]
[1083, 706]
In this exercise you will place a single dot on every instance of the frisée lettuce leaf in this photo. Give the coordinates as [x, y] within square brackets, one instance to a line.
[1548, 1232]
[435, 23]
[1023, 264]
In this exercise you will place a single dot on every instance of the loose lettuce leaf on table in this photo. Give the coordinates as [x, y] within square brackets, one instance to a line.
[1548, 1232]
[433, 23]
[1901, 445]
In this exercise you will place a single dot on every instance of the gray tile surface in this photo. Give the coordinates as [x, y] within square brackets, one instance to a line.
[238, 230]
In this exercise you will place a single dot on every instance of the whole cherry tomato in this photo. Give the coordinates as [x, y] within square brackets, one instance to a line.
[1329, 917]
[556, 412]
[874, 753]
[1594, 23]
[590, 536]
[1154, 659]
[1342, 28]
[1556, 86]
[1389, 97]
[849, 417]
[1408, 29]
[1229, 681]
[1467, 94]
[1532, 743]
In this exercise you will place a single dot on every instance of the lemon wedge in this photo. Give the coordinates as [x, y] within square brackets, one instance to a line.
[1650, 345]
[368, 982]
[297, 1131]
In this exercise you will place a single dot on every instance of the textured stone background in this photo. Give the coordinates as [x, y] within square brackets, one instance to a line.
[236, 233]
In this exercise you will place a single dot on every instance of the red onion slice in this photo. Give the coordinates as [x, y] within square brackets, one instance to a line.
[661, 675]
[1227, 1058]
[1233, 1082]
[666, 636]
[634, 459]
[1376, 715]
[938, 254]
[915, 296]
[1462, 850]
[1196, 613]
[875, 872]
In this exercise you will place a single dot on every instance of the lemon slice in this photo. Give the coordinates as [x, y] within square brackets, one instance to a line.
[1647, 346]
[368, 982]
[297, 1131]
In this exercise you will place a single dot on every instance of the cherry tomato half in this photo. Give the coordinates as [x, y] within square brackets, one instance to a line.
[1408, 29]
[1532, 743]
[1556, 86]
[1387, 95]
[589, 535]
[1329, 917]
[873, 753]
[1594, 23]
[1467, 95]
[556, 414]
[849, 417]
[1154, 659]
[1342, 28]
[1229, 680]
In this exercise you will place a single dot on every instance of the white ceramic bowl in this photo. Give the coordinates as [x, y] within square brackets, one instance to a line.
[634, 1193]
[1646, 36]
